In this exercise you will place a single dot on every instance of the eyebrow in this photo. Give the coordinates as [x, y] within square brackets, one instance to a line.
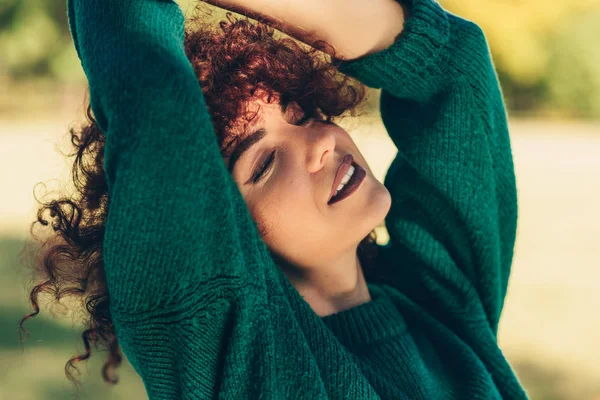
[244, 145]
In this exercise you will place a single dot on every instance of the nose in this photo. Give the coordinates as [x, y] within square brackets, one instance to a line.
[320, 148]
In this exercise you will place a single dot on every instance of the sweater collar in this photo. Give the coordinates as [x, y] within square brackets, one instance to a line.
[369, 322]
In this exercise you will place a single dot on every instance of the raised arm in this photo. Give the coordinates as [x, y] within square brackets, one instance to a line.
[354, 28]
[177, 222]
[453, 217]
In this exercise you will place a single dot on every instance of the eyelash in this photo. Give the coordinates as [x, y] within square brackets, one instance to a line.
[269, 161]
[263, 168]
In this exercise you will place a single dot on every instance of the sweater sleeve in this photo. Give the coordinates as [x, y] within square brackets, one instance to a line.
[177, 222]
[453, 217]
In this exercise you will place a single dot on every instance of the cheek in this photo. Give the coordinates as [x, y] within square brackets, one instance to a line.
[284, 208]
[259, 216]
[272, 214]
[266, 218]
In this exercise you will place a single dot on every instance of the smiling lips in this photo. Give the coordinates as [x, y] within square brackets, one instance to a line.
[342, 169]
[352, 184]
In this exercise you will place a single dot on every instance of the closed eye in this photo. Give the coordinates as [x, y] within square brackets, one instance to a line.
[263, 168]
[260, 171]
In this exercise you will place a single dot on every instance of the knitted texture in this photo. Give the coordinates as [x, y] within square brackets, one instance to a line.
[199, 307]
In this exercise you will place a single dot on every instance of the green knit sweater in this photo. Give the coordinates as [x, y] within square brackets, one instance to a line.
[200, 308]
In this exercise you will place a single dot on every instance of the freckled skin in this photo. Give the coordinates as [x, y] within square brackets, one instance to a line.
[315, 243]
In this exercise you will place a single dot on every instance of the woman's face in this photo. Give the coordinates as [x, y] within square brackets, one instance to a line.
[286, 179]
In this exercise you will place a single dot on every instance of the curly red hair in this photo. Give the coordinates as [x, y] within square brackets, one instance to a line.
[232, 60]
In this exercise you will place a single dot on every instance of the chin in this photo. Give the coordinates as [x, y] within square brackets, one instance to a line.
[386, 200]
[377, 206]
[379, 202]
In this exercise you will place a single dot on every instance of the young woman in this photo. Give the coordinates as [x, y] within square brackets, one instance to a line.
[243, 267]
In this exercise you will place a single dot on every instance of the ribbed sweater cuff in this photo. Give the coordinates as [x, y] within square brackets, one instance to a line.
[412, 66]
[367, 323]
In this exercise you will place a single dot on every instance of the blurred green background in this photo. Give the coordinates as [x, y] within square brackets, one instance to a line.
[547, 55]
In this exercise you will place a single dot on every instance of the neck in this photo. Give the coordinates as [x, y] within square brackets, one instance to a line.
[333, 288]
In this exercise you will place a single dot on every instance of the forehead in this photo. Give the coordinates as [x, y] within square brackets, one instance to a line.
[254, 116]
[252, 119]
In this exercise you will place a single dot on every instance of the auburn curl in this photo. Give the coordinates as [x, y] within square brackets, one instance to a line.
[232, 60]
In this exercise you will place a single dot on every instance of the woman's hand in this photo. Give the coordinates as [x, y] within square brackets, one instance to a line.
[355, 28]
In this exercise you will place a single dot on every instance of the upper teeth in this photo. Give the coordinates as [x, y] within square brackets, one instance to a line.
[345, 179]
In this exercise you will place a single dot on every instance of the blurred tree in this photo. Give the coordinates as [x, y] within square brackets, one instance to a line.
[521, 36]
[541, 60]
[35, 40]
[517, 30]
[573, 74]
